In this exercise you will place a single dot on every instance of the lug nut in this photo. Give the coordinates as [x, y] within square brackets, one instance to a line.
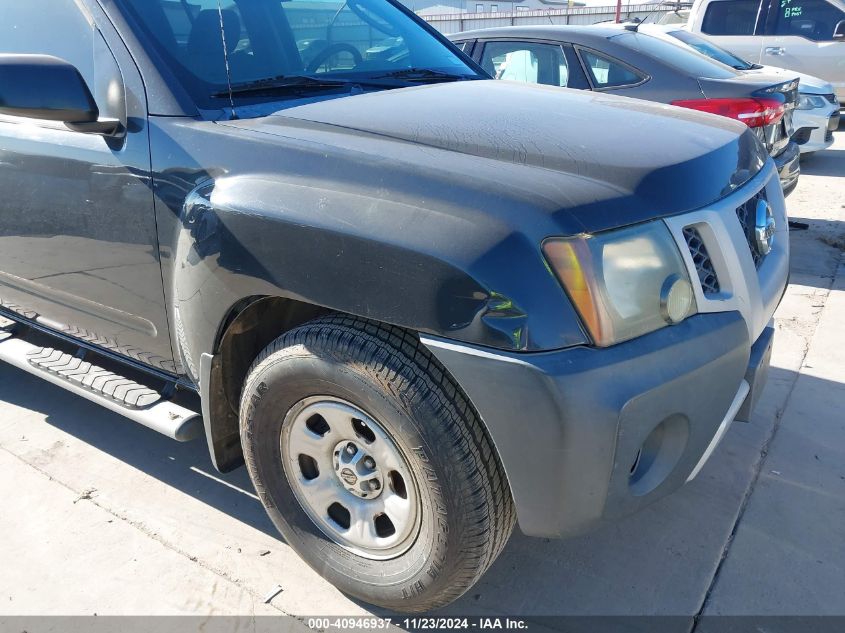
[374, 485]
[350, 449]
[370, 463]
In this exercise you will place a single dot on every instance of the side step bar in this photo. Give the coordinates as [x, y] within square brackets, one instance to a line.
[112, 391]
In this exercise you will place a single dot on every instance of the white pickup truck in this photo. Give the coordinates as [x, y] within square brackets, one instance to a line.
[807, 36]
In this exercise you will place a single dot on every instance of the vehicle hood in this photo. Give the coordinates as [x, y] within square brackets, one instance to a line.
[809, 84]
[604, 160]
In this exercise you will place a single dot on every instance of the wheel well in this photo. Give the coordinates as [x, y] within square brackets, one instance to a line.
[250, 326]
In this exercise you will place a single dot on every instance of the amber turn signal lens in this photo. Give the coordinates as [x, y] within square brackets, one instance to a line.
[572, 261]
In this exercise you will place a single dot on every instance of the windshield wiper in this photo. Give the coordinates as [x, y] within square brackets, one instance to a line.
[421, 75]
[305, 83]
[284, 83]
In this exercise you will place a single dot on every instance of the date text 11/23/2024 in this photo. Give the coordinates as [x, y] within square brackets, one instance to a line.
[419, 623]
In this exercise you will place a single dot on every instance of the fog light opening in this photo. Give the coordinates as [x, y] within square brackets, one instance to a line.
[636, 461]
[659, 454]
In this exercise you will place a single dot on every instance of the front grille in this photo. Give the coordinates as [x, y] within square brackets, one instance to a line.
[828, 136]
[703, 263]
[747, 215]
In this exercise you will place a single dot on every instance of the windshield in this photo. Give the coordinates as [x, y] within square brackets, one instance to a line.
[351, 40]
[706, 47]
[677, 55]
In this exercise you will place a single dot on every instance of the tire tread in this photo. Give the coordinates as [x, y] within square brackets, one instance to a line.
[403, 365]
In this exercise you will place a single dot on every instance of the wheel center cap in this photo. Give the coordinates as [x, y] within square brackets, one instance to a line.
[357, 470]
[348, 476]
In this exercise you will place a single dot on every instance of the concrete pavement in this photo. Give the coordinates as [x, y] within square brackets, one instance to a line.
[102, 516]
[791, 537]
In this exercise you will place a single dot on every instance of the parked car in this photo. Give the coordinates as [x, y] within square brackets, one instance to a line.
[807, 36]
[416, 317]
[815, 117]
[619, 59]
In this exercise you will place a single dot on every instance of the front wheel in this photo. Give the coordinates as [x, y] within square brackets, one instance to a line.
[373, 464]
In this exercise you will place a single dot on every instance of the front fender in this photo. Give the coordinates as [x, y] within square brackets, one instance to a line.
[242, 214]
[247, 236]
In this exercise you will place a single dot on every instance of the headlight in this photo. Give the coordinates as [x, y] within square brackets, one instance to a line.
[810, 102]
[623, 283]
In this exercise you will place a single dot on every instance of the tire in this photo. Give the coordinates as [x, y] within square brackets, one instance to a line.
[452, 479]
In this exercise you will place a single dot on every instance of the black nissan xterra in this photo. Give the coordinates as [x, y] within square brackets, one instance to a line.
[420, 305]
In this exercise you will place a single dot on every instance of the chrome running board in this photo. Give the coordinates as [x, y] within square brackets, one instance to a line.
[119, 394]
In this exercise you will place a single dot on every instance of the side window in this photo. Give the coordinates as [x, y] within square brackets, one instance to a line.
[608, 73]
[183, 19]
[67, 34]
[731, 17]
[526, 62]
[190, 34]
[813, 19]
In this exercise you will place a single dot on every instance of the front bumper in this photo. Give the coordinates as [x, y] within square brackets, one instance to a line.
[788, 165]
[589, 435]
[814, 128]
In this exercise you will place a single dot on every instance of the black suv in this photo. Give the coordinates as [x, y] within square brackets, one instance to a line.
[421, 305]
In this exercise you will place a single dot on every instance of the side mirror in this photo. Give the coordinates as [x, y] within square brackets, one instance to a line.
[839, 31]
[50, 89]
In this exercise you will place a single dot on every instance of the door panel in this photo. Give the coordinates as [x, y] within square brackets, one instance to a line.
[822, 59]
[799, 36]
[78, 243]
